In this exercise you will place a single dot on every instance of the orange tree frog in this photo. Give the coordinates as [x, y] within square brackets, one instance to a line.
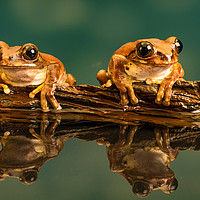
[150, 60]
[23, 66]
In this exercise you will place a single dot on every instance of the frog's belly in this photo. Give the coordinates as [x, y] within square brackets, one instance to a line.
[144, 72]
[22, 77]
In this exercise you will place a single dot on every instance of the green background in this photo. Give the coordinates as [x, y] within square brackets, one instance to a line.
[83, 34]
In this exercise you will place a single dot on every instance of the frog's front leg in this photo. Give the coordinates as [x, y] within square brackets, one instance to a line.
[119, 78]
[47, 89]
[165, 90]
[164, 142]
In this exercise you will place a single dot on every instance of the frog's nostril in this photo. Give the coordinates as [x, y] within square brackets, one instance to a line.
[163, 56]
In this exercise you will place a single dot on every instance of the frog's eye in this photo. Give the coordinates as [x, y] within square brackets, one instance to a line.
[173, 186]
[30, 52]
[29, 177]
[178, 45]
[145, 49]
[141, 189]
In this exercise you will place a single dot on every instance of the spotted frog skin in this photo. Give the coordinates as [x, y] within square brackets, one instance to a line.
[23, 66]
[149, 60]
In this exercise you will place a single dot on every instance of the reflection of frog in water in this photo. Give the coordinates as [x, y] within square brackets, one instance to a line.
[22, 156]
[145, 167]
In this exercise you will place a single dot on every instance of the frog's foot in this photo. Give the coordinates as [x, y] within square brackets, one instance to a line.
[46, 92]
[126, 88]
[5, 88]
[102, 77]
[107, 84]
[164, 92]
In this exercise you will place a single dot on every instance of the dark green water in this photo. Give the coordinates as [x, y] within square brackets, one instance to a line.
[83, 34]
[83, 169]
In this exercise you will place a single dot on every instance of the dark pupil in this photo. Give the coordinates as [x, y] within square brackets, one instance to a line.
[141, 189]
[179, 45]
[144, 49]
[174, 185]
[31, 178]
[31, 52]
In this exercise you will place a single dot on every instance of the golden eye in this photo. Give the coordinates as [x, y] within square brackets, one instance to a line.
[178, 45]
[145, 49]
[30, 52]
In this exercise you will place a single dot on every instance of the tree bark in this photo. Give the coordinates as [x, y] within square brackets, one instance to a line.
[97, 103]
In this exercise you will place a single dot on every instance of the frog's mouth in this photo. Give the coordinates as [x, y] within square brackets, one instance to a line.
[27, 67]
[167, 64]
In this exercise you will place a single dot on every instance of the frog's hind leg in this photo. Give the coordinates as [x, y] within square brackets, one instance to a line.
[70, 79]
[67, 80]
[102, 77]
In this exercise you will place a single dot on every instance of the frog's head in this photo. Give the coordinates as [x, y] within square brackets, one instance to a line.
[143, 189]
[152, 51]
[20, 56]
[29, 177]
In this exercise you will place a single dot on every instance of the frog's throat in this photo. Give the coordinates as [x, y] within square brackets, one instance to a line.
[21, 77]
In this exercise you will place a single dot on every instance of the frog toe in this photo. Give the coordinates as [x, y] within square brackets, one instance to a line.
[162, 98]
[124, 102]
[134, 100]
[166, 103]
[158, 101]
[43, 102]
[35, 91]
[46, 109]
[124, 99]
[53, 101]
[5, 88]
[167, 98]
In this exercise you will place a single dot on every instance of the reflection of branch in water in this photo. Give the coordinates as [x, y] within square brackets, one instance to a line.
[22, 156]
[29, 139]
[145, 168]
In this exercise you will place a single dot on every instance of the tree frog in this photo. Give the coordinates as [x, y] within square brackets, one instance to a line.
[149, 60]
[23, 66]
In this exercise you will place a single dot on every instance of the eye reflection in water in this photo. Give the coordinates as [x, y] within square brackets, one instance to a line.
[139, 153]
[144, 164]
[23, 151]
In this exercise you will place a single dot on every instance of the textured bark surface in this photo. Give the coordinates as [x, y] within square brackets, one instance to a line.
[102, 104]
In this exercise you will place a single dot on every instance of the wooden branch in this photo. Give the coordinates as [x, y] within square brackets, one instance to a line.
[97, 103]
